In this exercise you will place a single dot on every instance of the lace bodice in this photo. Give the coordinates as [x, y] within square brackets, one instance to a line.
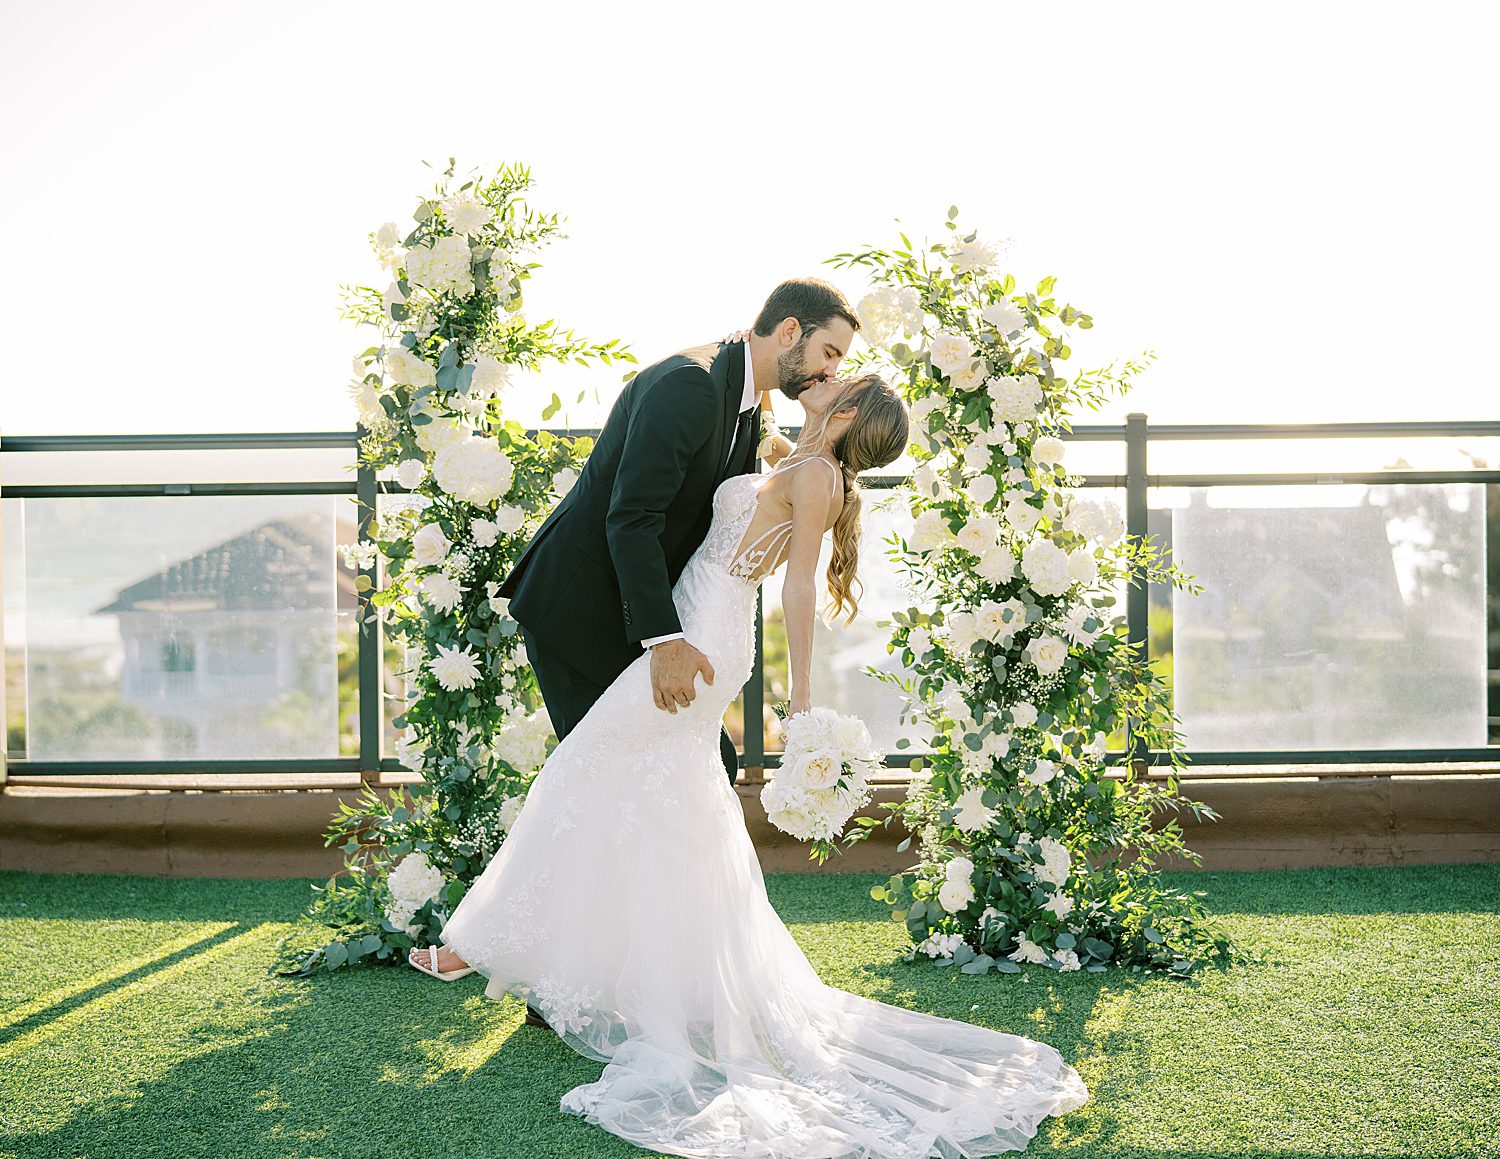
[735, 502]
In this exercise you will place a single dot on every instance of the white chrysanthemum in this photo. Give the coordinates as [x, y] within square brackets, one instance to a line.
[454, 667]
[950, 352]
[410, 473]
[474, 470]
[484, 531]
[1042, 772]
[1014, 398]
[1004, 317]
[1028, 951]
[1046, 654]
[366, 399]
[961, 630]
[411, 752]
[954, 896]
[1061, 905]
[1048, 449]
[443, 267]
[491, 376]
[972, 813]
[408, 369]
[1057, 862]
[510, 809]
[465, 214]
[429, 546]
[441, 590]
[973, 256]
[1046, 567]
[1023, 713]
[919, 640]
[997, 566]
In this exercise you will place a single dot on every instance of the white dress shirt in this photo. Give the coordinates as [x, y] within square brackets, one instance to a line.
[750, 398]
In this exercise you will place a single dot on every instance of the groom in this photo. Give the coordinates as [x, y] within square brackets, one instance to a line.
[594, 585]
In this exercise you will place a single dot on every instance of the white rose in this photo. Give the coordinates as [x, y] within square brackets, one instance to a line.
[969, 377]
[509, 518]
[563, 481]
[408, 369]
[1020, 514]
[950, 352]
[977, 458]
[1046, 654]
[410, 473]
[1048, 449]
[1083, 568]
[954, 896]
[981, 489]
[1023, 713]
[979, 534]
[958, 869]
[919, 640]
[429, 546]
[820, 769]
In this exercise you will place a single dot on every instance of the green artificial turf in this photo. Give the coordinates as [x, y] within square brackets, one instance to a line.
[137, 1019]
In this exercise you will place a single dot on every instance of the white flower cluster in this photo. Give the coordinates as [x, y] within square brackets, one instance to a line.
[889, 312]
[473, 469]
[824, 775]
[413, 883]
[522, 742]
[957, 891]
[940, 945]
[445, 266]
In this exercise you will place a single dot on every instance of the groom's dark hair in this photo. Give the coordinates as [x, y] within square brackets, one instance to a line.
[812, 301]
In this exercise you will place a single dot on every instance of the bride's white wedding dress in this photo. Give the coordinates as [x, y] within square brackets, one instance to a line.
[628, 907]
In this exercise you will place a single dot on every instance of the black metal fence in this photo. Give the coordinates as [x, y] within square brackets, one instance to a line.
[1136, 435]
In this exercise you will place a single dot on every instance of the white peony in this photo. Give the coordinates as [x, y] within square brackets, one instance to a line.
[973, 256]
[950, 352]
[1100, 521]
[979, 535]
[484, 531]
[919, 640]
[1004, 317]
[407, 369]
[1023, 713]
[429, 546]
[1046, 567]
[454, 667]
[1067, 960]
[998, 620]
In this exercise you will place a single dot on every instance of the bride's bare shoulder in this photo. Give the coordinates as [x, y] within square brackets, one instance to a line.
[817, 490]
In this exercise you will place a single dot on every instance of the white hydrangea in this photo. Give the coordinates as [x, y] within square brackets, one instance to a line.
[888, 312]
[522, 742]
[962, 631]
[1046, 567]
[510, 809]
[491, 376]
[922, 409]
[1014, 398]
[443, 267]
[388, 235]
[475, 470]
[1099, 521]
[940, 945]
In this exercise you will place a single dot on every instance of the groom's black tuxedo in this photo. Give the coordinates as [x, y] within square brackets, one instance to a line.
[596, 578]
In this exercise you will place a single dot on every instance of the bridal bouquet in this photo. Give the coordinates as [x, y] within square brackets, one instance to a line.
[823, 779]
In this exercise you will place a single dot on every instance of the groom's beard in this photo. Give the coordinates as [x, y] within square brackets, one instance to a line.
[791, 372]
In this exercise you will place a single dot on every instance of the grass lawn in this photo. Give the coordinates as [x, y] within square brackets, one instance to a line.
[137, 1019]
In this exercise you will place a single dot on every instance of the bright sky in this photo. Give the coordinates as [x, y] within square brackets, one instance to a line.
[1290, 203]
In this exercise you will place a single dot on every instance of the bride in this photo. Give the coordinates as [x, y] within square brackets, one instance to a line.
[627, 905]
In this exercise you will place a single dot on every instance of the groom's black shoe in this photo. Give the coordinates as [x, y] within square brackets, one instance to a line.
[535, 1019]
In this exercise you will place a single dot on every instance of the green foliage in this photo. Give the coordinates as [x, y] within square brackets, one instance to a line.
[1029, 847]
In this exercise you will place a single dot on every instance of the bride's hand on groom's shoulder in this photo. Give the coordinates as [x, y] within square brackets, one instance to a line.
[735, 336]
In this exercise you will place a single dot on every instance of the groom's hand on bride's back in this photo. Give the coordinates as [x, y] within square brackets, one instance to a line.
[674, 665]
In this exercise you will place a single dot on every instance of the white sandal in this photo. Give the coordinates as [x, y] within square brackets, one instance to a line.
[431, 967]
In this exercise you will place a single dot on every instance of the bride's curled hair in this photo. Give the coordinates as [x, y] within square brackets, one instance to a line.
[876, 437]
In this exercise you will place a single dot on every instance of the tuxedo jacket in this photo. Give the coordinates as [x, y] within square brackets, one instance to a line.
[596, 578]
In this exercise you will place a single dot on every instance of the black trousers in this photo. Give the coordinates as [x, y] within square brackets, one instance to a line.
[569, 694]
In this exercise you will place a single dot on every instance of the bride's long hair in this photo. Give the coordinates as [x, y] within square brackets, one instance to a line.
[876, 437]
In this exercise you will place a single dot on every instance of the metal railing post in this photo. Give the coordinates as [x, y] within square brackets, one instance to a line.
[1137, 514]
[368, 639]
